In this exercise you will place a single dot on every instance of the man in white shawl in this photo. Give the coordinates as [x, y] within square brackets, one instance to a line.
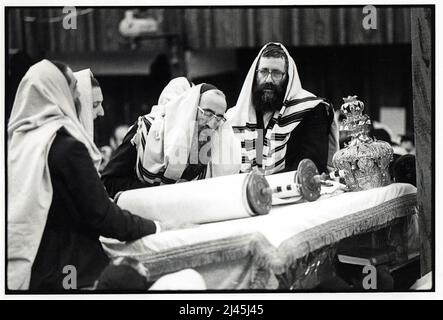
[57, 205]
[278, 122]
[183, 138]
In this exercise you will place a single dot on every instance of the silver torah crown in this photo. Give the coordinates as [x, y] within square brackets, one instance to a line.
[364, 161]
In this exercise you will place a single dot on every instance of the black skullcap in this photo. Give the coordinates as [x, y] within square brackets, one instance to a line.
[206, 87]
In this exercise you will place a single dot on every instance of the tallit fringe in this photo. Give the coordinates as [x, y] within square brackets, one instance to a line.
[252, 245]
[364, 221]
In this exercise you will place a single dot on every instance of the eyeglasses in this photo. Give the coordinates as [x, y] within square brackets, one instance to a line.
[276, 75]
[209, 114]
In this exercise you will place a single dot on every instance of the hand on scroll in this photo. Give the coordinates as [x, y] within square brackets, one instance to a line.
[175, 225]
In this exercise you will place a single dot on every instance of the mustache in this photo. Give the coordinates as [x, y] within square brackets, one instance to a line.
[269, 86]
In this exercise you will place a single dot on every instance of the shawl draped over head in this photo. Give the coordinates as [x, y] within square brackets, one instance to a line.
[43, 104]
[164, 138]
[297, 102]
[84, 86]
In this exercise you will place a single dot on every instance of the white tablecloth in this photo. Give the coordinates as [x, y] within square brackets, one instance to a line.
[267, 244]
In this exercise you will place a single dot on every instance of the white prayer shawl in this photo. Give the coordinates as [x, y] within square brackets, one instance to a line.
[164, 139]
[242, 118]
[42, 106]
[84, 86]
[173, 89]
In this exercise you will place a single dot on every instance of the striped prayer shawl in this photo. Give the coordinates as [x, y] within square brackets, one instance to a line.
[278, 132]
[243, 119]
[154, 178]
[164, 142]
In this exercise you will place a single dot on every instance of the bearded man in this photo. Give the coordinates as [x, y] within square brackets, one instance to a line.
[278, 122]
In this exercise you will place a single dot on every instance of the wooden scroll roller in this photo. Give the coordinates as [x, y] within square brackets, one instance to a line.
[201, 201]
[306, 184]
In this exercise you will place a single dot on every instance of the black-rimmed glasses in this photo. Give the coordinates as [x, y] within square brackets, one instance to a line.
[209, 114]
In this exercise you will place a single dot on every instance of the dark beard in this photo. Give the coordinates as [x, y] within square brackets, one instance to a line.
[268, 101]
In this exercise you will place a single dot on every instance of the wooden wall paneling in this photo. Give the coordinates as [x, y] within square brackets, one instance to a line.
[69, 39]
[65, 44]
[90, 28]
[49, 32]
[389, 29]
[113, 35]
[16, 29]
[226, 35]
[224, 29]
[277, 23]
[230, 31]
[381, 34]
[339, 20]
[422, 79]
[294, 16]
[81, 35]
[312, 28]
[37, 30]
[208, 29]
[214, 27]
[238, 28]
[98, 27]
[198, 32]
[219, 28]
[191, 27]
[327, 26]
[356, 33]
[52, 33]
[250, 28]
[103, 30]
[28, 34]
[88, 32]
[285, 25]
[264, 26]
[402, 25]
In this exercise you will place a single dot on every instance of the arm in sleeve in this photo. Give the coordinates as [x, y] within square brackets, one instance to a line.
[310, 139]
[119, 174]
[96, 210]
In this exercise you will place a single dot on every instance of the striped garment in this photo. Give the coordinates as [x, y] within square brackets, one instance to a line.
[242, 118]
[164, 140]
[155, 178]
[278, 132]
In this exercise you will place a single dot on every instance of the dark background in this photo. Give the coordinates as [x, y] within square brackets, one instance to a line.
[335, 55]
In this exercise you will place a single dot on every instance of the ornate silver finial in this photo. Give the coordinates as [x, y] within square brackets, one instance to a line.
[356, 123]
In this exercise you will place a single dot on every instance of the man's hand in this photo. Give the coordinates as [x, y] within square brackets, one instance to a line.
[175, 225]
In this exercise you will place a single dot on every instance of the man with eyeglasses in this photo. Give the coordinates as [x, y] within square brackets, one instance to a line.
[183, 138]
[278, 122]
